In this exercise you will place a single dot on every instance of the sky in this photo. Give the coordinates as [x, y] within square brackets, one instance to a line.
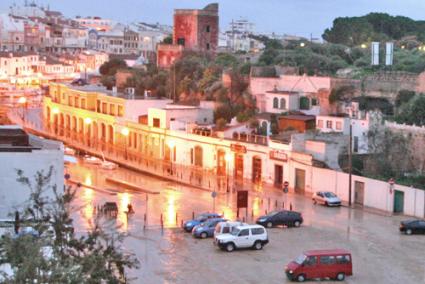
[295, 17]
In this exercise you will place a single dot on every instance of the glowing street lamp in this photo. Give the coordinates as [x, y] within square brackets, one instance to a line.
[302, 44]
[55, 110]
[22, 100]
[363, 45]
[87, 120]
[125, 131]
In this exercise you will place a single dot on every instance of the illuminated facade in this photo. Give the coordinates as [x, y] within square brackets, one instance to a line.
[153, 131]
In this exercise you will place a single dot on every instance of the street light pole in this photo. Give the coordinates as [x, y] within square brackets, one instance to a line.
[350, 163]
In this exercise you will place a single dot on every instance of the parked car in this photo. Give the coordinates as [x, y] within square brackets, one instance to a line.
[207, 228]
[326, 198]
[412, 227]
[320, 264]
[226, 227]
[92, 160]
[188, 225]
[246, 236]
[284, 217]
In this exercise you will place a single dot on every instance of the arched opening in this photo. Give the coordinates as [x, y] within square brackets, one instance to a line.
[275, 103]
[110, 134]
[221, 163]
[256, 169]
[198, 156]
[282, 103]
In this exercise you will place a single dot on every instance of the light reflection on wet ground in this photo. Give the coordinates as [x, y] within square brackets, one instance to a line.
[380, 253]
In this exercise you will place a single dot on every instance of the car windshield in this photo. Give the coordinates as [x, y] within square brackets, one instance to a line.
[200, 218]
[329, 194]
[272, 213]
[235, 232]
[300, 259]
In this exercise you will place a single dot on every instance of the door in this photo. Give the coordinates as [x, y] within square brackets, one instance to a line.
[398, 201]
[310, 267]
[256, 169]
[238, 166]
[243, 240]
[221, 163]
[278, 176]
[299, 181]
[359, 193]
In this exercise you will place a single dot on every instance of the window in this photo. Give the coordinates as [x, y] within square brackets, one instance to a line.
[275, 103]
[181, 41]
[310, 261]
[244, 232]
[282, 103]
[314, 102]
[329, 124]
[304, 103]
[356, 144]
[342, 259]
[320, 123]
[257, 231]
[120, 111]
[198, 156]
[156, 122]
[338, 125]
[327, 259]
[207, 29]
[226, 230]
[208, 46]
[191, 156]
[83, 103]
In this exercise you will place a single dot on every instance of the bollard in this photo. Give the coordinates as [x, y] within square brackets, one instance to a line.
[222, 214]
[177, 218]
[290, 206]
[283, 204]
[193, 215]
[275, 204]
[144, 217]
[266, 212]
[181, 223]
[243, 219]
[252, 213]
[161, 218]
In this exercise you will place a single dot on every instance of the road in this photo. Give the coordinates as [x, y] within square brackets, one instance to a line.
[380, 253]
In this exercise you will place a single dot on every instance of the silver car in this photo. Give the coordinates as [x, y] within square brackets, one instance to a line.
[326, 198]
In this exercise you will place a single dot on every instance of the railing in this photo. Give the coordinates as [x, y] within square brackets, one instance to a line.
[126, 156]
[250, 138]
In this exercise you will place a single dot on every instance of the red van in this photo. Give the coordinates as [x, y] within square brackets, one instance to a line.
[313, 264]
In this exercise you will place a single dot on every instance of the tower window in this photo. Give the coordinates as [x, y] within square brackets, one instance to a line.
[207, 29]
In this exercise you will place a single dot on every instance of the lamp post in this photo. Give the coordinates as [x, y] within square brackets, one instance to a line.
[227, 158]
[125, 133]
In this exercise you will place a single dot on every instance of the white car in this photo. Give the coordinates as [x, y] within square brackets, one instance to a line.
[92, 160]
[106, 165]
[326, 198]
[246, 236]
[226, 227]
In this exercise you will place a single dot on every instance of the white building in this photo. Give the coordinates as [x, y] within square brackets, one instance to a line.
[17, 64]
[20, 151]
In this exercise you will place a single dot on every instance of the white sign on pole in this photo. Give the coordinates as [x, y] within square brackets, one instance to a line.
[375, 53]
[389, 55]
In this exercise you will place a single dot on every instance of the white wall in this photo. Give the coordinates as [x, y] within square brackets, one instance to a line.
[136, 108]
[12, 193]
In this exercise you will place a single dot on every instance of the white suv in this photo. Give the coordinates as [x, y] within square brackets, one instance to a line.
[226, 227]
[246, 236]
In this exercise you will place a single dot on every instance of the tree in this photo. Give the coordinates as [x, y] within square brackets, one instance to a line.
[111, 67]
[57, 255]
[167, 40]
[403, 97]
[413, 112]
[221, 123]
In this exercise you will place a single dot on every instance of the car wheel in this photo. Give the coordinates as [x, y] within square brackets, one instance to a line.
[269, 225]
[203, 235]
[326, 203]
[340, 276]
[301, 278]
[258, 245]
[230, 247]
[409, 232]
[297, 223]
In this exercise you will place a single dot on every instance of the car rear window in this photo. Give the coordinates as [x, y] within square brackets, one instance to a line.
[257, 231]
[226, 230]
[327, 259]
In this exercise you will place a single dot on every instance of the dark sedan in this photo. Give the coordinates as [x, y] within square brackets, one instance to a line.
[284, 218]
[412, 227]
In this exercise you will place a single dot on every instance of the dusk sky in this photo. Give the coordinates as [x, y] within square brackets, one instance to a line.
[298, 17]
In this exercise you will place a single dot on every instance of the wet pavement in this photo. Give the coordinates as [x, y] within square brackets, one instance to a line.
[380, 253]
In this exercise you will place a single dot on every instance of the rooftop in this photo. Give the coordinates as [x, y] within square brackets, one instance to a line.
[16, 54]
[298, 117]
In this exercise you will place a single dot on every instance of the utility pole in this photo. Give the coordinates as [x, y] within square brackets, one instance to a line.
[350, 163]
